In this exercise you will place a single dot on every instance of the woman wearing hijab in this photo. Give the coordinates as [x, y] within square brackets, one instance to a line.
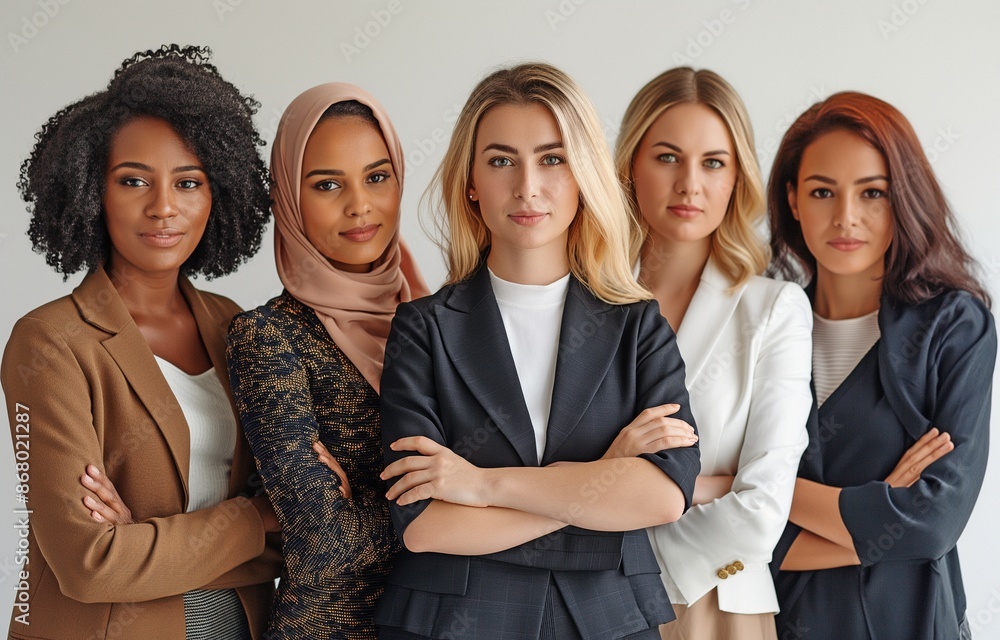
[305, 367]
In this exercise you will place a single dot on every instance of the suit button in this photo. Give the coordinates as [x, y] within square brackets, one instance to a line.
[731, 570]
[739, 565]
[722, 573]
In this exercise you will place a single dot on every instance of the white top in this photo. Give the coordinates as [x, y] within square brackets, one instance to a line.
[210, 419]
[532, 316]
[838, 347]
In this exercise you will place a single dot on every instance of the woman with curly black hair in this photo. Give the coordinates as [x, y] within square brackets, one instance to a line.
[138, 473]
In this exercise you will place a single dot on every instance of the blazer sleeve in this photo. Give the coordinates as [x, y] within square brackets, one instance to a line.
[746, 523]
[323, 533]
[660, 380]
[95, 562]
[925, 520]
[409, 398]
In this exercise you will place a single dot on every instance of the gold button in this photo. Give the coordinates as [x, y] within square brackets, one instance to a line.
[722, 573]
[739, 565]
[731, 570]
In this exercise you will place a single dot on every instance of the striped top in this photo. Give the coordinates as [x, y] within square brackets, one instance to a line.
[838, 347]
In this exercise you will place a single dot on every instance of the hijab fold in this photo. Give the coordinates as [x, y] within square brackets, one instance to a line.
[356, 308]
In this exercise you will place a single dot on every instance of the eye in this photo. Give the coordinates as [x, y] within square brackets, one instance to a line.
[669, 158]
[874, 194]
[714, 163]
[132, 181]
[553, 161]
[378, 177]
[822, 192]
[188, 183]
[500, 161]
[326, 185]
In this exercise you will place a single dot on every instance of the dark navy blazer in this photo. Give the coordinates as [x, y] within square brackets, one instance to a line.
[932, 367]
[449, 375]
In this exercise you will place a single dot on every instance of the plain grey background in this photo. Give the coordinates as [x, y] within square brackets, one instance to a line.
[936, 61]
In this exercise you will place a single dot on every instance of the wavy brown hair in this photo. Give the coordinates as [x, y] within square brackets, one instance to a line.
[926, 256]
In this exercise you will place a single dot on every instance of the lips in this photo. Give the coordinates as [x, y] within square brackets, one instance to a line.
[361, 234]
[686, 211]
[162, 238]
[846, 244]
[527, 218]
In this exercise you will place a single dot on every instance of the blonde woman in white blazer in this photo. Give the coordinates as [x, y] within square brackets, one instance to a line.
[686, 157]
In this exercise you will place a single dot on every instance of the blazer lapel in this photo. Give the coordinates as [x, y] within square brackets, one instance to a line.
[213, 329]
[588, 341]
[706, 318]
[475, 339]
[101, 306]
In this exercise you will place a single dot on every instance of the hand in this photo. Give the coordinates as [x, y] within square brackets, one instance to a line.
[930, 447]
[266, 511]
[652, 431]
[438, 472]
[105, 505]
[326, 458]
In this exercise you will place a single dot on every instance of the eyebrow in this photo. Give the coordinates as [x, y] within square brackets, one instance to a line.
[145, 167]
[338, 172]
[511, 150]
[825, 180]
[717, 152]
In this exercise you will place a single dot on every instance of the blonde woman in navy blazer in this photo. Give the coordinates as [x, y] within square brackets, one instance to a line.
[513, 526]
[686, 157]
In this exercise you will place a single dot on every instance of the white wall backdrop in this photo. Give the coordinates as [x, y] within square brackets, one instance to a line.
[936, 61]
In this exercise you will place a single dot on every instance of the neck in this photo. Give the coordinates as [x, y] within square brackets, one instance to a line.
[669, 267]
[538, 266]
[147, 293]
[839, 297]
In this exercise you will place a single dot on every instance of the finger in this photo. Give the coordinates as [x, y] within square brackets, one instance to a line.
[420, 444]
[320, 448]
[405, 465]
[408, 482]
[944, 445]
[418, 493]
[673, 442]
[106, 493]
[99, 508]
[925, 455]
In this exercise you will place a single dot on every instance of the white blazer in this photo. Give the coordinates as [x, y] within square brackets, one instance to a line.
[748, 358]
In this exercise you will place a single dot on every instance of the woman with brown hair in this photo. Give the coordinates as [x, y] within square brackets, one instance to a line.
[903, 357]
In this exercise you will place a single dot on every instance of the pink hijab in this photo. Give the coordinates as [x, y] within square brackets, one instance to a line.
[355, 308]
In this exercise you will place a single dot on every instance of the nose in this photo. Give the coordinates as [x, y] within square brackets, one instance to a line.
[164, 202]
[527, 184]
[359, 204]
[688, 181]
[846, 213]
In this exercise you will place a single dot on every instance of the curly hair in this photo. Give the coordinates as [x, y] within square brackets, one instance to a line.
[63, 179]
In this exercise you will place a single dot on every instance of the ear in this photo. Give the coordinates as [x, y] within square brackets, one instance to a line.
[473, 195]
[793, 199]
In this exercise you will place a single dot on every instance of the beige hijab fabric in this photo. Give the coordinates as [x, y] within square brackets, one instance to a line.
[355, 308]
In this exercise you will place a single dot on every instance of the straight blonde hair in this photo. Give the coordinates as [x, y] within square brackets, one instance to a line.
[736, 246]
[602, 233]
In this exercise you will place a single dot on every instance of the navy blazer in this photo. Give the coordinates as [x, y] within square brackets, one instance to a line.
[449, 375]
[932, 367]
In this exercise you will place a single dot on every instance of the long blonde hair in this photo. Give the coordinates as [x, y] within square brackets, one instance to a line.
[601, 234]
[736, 246]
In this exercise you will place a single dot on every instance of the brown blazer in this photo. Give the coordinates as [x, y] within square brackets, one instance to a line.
[94, 394]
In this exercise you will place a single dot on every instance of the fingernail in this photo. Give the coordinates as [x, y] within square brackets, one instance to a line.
[88, 479]
[88, 500]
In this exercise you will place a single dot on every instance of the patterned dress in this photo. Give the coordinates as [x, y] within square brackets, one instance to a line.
[293, 385]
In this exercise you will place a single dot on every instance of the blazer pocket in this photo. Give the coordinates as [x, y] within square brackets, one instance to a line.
[637, 554]
[431, 572]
